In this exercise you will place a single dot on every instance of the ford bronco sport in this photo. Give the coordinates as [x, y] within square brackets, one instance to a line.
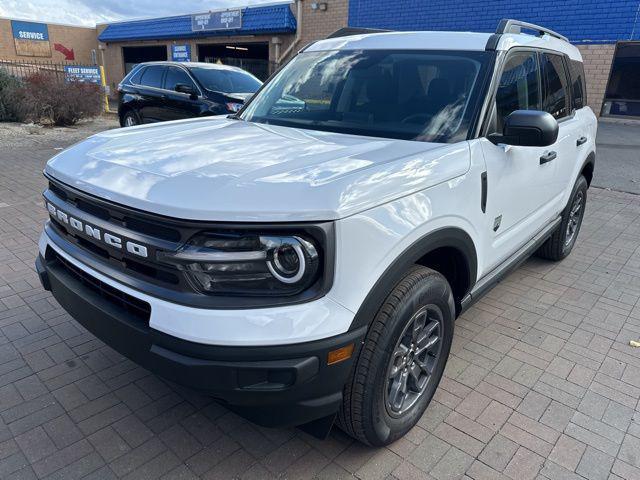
[303, 261]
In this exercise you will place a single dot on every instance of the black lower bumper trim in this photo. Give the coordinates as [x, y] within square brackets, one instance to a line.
[273, 386]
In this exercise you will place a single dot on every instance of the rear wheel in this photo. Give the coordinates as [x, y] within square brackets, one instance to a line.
[130, 119]
[560, 244]
[402, 360]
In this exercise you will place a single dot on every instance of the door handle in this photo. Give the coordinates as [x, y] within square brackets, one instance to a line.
[581, 141]
[547, 157]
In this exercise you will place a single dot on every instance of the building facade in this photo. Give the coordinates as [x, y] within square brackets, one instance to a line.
[25, 41]
[601, 29]
[263, 38]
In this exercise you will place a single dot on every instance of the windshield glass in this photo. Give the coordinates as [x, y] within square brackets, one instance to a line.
[226, 81]
[411, 95]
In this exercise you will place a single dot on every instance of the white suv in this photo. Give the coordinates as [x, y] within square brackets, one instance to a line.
[305, 259]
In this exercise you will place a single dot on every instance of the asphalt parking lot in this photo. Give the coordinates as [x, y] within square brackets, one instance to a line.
[618, 143]
[542, 382]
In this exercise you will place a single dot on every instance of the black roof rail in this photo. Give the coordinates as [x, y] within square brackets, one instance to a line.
[508, 25]
[347, 31]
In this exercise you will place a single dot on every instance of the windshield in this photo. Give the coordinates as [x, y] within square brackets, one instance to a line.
[411, 95]
[226, 81]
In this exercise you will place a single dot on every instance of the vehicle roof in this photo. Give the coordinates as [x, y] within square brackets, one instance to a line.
[443, 41]
[212, 66]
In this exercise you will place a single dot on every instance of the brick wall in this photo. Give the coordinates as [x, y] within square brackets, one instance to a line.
[81, 39]
[592, 21]
[318, 24]
[597, 65]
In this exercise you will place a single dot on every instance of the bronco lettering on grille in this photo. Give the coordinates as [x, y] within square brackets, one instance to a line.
[95, 233]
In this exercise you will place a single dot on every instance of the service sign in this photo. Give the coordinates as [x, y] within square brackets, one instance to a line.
[31, 39]
[222, 20]
[82, 74]
[181, 53]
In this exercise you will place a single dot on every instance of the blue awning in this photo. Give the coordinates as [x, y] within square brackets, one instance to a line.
[256, 20]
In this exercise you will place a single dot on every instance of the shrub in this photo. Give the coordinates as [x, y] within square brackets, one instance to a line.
[48, 99]
[9, 97]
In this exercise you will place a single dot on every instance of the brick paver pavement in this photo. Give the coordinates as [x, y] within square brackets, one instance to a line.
[541, 383]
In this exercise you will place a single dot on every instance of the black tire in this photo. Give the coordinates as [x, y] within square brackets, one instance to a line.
[366, 413]
[561, 242]
[129, 119]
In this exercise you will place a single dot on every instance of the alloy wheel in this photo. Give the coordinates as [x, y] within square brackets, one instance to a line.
[413, 360]
[575, 216]
[130, 121]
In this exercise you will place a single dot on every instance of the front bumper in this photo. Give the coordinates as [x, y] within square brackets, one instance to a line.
[277, 385]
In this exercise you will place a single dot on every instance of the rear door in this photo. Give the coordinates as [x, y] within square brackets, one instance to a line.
[522, 188]
[582, 118]
[152, 94]
[557, 102]
[179, 105]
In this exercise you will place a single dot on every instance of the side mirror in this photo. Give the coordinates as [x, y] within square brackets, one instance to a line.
[527, 128]
[188, 89]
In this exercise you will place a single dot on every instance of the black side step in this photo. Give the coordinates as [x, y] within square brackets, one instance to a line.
[487, 282]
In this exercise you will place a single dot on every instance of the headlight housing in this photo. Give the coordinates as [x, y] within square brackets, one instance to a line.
[248, 263]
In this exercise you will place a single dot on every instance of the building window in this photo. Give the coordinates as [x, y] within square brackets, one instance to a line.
[623, 90]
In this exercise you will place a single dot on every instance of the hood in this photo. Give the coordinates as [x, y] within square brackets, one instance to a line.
[237, 97]
[219, 169]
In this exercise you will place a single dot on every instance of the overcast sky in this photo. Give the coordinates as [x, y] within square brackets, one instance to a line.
[90, 12]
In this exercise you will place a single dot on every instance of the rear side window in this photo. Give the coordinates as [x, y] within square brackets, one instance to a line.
[134, 77]
[175, 76]
[518, 88]
[152, 76]
[578, 88]
[556, 91]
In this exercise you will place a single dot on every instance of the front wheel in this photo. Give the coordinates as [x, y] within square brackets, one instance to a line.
[130, 119]
[560, 244]
[402, 360]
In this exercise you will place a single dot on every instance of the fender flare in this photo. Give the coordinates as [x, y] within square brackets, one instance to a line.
[445, 237]
[590, 160]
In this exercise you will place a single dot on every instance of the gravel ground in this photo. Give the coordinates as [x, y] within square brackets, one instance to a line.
[13, 134]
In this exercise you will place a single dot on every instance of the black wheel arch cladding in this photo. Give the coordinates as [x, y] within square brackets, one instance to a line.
[445, 238]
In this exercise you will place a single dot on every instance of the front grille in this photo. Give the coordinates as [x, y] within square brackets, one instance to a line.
[151, 230]
[121, 216]
[139, 309]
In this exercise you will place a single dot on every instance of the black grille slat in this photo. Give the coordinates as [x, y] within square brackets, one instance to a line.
[140, 309]
[118, 216]
[99, 212]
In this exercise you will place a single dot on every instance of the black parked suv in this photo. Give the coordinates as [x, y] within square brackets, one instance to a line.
[159, 91]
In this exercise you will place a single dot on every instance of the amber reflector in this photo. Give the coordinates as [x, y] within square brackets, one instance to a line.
[339, 355]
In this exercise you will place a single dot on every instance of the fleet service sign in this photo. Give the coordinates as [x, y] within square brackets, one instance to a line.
[31, 39]
[78, 73]
[181, 53]
[222, 20]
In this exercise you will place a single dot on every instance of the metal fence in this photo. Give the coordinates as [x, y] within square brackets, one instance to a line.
[25, 68]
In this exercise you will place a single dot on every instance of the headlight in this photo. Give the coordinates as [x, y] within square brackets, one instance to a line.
[248, 263]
